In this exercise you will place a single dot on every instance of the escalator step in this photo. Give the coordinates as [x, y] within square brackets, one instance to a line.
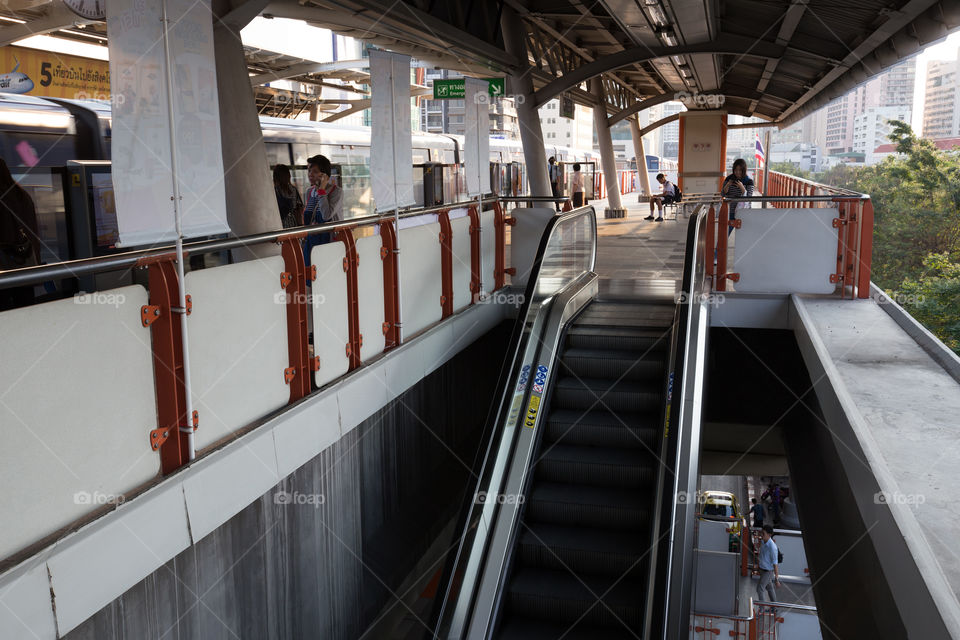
[561, 597]
[596, 466]
[578, 505]
[616, 364]
[633, 339]
[603, 428]
[596, 393]
[518, 628]
[582, 550]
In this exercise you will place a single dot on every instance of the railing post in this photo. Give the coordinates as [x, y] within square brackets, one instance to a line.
[476, 267]
[446, 262]
[865, 255]
[500, 223]
[853, 222]
[391, 276]
[351, 263]
[295, 279]
[722, 247]
[842, 216]
[711, 244]
[167, 342]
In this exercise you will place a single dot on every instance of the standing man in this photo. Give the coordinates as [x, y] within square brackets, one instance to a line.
[555, 180]
[769, 567]
[668, 195]
[757, 510]
[324, 201]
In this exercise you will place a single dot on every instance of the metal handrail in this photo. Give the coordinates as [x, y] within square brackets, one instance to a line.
[534, 198]
[87, 266]
[852, 196]
[441, 615]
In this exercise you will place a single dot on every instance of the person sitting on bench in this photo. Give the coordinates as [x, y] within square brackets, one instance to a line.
[668, 196]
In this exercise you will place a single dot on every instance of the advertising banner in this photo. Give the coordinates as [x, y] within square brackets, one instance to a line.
[391, 145]
[141, 148]
[54, 75]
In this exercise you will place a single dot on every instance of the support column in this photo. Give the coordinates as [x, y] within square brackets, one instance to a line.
[607, 159]
[642, 175]
[251, 203]
[521, 86]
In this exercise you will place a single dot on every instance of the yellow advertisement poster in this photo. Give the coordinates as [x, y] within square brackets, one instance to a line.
[56, 75]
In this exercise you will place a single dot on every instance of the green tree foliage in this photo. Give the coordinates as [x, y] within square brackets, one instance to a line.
[791, 169]
[934, 298]
[916, 242]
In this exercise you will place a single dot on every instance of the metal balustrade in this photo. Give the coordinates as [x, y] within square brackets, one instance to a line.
[109, 367]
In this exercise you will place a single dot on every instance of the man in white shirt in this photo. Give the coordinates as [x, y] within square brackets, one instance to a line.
[668, 195]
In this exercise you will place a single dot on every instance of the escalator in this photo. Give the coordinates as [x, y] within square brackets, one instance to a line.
[581, 561]
[577, 534]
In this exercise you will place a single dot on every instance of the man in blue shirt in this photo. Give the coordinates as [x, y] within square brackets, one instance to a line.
[769, 568]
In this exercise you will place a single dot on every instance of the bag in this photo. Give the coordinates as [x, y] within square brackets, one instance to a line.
[18, 253]
[292, 217]
[779, 555]
[677, 195]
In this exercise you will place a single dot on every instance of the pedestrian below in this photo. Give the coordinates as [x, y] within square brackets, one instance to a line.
[757, 510]
[769, 566]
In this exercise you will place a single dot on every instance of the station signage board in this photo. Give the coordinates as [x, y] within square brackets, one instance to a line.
[454, 89]
[566, 106]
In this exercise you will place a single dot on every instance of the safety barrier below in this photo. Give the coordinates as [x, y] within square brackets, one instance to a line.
[111, 367]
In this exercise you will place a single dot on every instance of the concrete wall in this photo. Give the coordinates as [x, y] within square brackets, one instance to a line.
[324, 563]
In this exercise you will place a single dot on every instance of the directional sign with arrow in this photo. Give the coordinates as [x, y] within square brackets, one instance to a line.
[454, 89]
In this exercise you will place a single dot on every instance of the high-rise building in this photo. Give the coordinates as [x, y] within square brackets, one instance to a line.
[871, 128]
[576, 132]
[892, 88]
[941, 103]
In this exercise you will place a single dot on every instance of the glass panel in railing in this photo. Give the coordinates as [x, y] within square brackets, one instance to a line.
[569, 253]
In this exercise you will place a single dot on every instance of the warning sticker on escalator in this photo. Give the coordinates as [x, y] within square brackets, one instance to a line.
[536, 392]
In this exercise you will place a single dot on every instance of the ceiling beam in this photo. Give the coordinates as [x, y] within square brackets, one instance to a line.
[659, 123]
[637, 107]
[787, 28]
[725, 45]
[57, 17]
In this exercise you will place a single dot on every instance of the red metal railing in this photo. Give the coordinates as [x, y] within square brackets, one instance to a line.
[854, 223]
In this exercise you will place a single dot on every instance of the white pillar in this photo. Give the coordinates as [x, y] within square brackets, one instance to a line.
[642, 175]
[528, 117]
[607, 159]
[251, 203]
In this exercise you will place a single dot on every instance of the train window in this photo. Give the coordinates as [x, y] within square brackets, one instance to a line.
[277, 153]
[420, 155]
[45, 186]
[26, 150]
[445, 156]
[300, 154]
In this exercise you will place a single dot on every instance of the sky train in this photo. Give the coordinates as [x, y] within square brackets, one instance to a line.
[39, 136]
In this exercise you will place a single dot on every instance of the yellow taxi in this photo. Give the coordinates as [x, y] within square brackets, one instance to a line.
[721, 506]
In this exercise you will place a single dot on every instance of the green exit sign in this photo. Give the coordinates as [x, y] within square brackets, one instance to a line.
[455, 89]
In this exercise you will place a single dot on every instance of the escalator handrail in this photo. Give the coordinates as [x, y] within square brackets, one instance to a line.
[692, 287]
[507, 383]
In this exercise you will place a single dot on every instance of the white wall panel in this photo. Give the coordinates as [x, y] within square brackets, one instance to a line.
[420, 282]
[331, 325]
[77, 404]
[370, 296]
[238, 345]
[785, 250]
[462, 272]
[488, 251]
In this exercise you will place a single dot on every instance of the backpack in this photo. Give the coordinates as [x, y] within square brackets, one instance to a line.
[779, 554]
[677, 195]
